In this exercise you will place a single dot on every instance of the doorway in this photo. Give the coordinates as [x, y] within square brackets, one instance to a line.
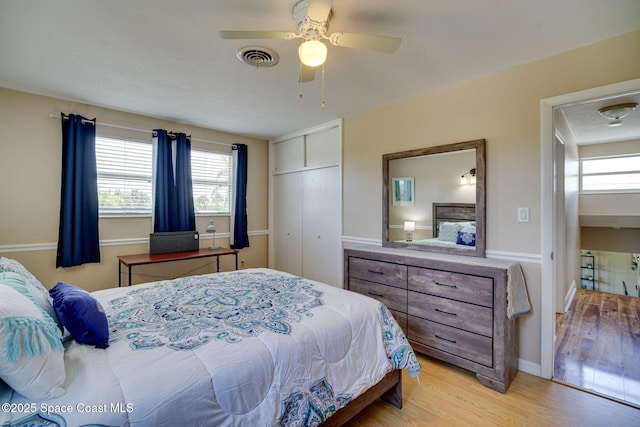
[555, 255]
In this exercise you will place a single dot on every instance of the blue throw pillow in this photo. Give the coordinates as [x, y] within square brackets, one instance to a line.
[466, 238]
[81, 314]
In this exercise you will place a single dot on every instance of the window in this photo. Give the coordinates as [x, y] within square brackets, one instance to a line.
[610, 174]
[125, 178]
[211, 175]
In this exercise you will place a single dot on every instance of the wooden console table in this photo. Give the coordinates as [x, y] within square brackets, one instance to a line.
[130, 261]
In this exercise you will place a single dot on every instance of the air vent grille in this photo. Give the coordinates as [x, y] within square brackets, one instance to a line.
[258, 56]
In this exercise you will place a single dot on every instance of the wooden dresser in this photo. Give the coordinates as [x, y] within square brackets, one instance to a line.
[451, 310]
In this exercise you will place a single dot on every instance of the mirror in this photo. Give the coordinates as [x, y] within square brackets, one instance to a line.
[434, 199]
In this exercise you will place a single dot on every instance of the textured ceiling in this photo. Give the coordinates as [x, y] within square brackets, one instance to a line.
[164, 58]
[588, 126]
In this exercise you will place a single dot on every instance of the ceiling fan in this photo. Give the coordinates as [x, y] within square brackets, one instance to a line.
[312, 18]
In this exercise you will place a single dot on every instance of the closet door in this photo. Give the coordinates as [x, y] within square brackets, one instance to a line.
[321, 225]
[288, 200]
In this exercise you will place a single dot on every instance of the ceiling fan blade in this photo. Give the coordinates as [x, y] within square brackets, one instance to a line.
[318, 10]
[307, 74]
[239, 34]
[362, 41]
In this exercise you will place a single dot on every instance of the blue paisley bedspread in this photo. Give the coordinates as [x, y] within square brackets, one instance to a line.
[255, 347]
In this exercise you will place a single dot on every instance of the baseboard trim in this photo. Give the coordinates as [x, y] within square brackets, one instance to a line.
[569, 296]
[529, 367]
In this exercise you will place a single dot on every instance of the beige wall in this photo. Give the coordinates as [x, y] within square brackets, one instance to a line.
[503, 108]
[30, 192]
[611, 239]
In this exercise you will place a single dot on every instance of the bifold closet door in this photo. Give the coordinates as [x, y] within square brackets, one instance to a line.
[321, 225]
[288, 199]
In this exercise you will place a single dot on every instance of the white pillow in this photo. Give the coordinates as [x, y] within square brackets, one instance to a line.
[31, 352]
[37, 291]
[449, 231]
[468, 229]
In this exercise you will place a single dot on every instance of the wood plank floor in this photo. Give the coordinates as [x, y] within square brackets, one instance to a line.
[448, 396]
[598, 345]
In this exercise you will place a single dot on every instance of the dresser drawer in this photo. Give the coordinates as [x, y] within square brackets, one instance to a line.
[470, 346]
[393, 298]
[450, 312]
[386, 273]
[458, 286]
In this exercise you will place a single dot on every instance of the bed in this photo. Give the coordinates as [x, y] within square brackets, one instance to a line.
[254, 347]
[453, 226]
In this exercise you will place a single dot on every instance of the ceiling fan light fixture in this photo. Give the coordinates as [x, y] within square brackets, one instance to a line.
[619, 111]
[312, 53]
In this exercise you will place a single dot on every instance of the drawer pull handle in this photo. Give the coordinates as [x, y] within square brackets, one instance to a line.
[376, 272]
[375, 294]
[446, 312]
[445, 339]
[445, 285]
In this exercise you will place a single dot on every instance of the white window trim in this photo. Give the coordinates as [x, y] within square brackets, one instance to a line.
[610, 191]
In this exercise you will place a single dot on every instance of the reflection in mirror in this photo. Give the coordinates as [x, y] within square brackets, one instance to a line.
[434, 199]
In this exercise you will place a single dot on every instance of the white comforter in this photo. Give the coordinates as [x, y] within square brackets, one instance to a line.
[250, 348]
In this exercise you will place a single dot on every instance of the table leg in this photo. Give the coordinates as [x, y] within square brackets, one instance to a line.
[119, 274]
[218, 264]
[236, 254]
[130, 275]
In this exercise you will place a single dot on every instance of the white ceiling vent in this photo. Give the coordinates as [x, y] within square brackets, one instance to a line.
[258, 56]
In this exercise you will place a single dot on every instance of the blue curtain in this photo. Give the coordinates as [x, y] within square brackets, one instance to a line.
[239, 237]
[78, 240]
[184, 187]
[173, 191]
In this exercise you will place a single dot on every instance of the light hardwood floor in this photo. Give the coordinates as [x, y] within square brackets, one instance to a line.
[598, 345]
[448, 396]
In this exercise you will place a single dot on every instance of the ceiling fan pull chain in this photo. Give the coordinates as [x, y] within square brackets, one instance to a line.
[300, 100]
[322, 87]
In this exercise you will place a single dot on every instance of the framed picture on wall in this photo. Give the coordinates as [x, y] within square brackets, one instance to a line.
[403, 191]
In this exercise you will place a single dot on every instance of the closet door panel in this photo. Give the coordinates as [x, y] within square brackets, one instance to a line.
[322, 247]
[324, 148]
[288, 222]
[289, 155]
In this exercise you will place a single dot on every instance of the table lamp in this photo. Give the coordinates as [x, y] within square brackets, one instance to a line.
[409, 228]
[212, 229]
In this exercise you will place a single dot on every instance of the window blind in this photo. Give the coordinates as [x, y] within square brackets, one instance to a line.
[124, 176]
[211, 175]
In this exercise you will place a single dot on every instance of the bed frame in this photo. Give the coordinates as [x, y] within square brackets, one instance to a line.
[389, 389]
[452, 212]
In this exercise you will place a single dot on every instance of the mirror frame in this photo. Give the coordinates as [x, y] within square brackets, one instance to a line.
[480, 146]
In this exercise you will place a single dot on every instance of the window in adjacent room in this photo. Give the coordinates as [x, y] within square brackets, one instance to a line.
[610, 174]
[125, 178]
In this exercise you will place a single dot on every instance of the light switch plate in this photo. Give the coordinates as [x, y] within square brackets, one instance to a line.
[523, 214]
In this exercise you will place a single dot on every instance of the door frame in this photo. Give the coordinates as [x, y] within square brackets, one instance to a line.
[548, 198]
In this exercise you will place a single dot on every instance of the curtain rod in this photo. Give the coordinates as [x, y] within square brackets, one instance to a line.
[55, 116]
